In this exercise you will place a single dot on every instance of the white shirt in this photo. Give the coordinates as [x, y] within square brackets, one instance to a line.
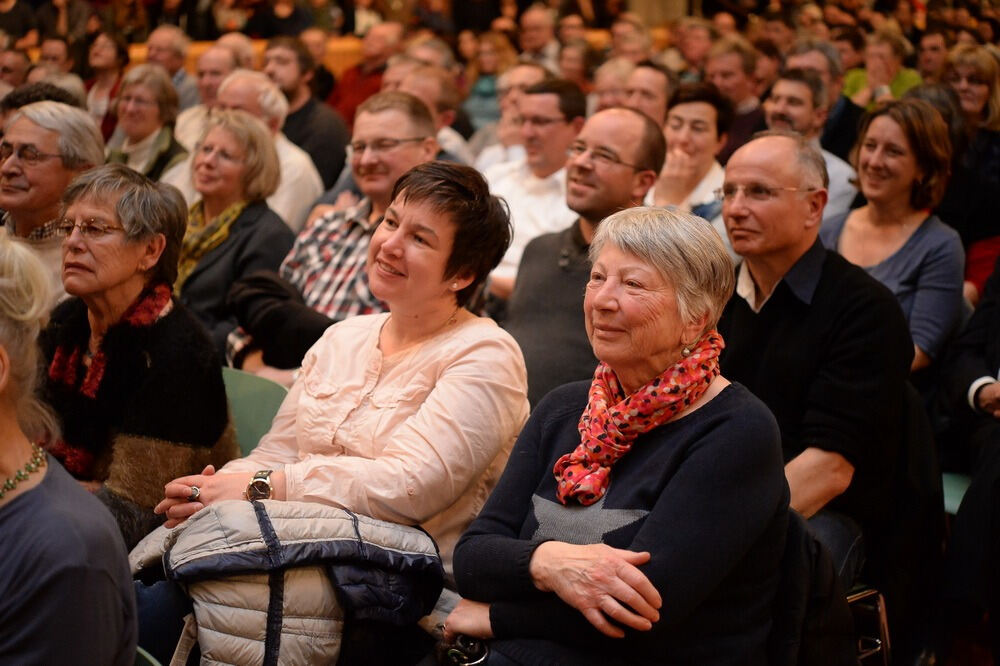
[452, 142]
[841, 192]
[300, 183]
[139, 155]
[537, 206]
[189, 126]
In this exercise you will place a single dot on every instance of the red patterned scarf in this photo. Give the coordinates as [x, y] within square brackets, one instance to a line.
[67, 363]
[612, 420]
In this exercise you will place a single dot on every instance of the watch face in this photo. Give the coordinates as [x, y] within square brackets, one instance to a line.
[259, 489]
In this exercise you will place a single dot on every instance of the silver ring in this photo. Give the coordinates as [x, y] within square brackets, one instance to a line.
[195, 494]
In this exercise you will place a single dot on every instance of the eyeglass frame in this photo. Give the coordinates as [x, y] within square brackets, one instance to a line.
[771, 190]
[64, 228]
[19, 152]
[606, 158]
[394, 144]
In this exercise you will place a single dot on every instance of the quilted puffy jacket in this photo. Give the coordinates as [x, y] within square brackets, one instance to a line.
[271, 582]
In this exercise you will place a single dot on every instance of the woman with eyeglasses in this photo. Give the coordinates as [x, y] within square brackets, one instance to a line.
[231, 230]
[65, 590]
[903, 161]
[147, 108]
[974, 74]
[131, 375]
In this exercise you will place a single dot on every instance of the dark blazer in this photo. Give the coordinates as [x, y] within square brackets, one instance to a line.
[976, 351]
[258, 240]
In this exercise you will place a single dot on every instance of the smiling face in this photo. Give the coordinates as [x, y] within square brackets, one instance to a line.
[111, 263]
[887, 167]
[598, 188]
[138, 112]
[408, 254]
[219, 167]
[972, 89]
[632, 318]
[376, 171]
[790, 107]
[546, 132]
[691, 129]
[32, 189]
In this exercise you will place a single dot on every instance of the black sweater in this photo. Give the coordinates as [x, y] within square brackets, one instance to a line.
[705, 495]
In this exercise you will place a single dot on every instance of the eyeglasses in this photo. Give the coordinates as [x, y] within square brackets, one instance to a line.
[954, 78]
[92, 229]
[756, 191]
[380, 145]
[138, 101]
[599, 156]
[541, 121]
[26, 153]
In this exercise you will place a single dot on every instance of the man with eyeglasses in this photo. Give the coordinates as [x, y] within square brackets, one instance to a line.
[610, 166]
[822, 343]
[322, 279]
[45, 146]
[551, 114]
[798, 103]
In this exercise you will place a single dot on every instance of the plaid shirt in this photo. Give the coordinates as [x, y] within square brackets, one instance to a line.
[327, 265]
[47, 230]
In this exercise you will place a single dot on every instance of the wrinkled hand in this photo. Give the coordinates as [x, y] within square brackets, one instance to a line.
[988, 399]
[214, 488]
[471, 618]
[599, 581]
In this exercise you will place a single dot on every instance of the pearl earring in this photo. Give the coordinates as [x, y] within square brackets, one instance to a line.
[454, 286]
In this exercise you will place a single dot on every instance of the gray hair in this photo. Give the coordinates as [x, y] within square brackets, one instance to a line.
[804, 45]
[180, 41]
[806, 154]
[240, 46]
[80, 143]
[69, 82]
[25, 298]
[159, 83]
[143, 207]
[262, 169]
[683, 248]
[273, 103]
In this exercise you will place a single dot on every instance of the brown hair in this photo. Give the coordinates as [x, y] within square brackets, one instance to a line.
[986, 67]
[927, 135]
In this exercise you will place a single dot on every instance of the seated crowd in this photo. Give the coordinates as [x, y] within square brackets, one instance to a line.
[656, 333]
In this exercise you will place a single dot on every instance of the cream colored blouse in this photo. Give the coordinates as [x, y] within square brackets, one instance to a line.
[420, 437]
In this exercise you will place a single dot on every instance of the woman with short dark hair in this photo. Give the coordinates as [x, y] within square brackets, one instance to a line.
[131, 374]
[903, 161]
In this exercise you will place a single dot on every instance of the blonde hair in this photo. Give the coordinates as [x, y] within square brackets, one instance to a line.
[25, 295]
[985, 65]
[685, 250]
[262, 173]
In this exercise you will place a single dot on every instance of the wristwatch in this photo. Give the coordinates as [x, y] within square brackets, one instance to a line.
[881, 91]
[259, 487]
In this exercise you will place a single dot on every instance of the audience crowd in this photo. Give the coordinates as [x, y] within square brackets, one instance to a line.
[660, 332]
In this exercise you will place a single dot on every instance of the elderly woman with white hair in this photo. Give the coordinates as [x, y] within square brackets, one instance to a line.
[132, 376]
[232, 232]
[65, 584]
[146, 107]
[648, 505]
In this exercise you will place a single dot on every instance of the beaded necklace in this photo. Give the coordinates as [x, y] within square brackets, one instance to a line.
[36, 462]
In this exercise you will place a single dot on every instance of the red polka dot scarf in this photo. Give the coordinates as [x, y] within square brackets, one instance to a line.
[612, 420]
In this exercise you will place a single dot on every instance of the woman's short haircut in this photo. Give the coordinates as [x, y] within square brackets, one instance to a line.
[689, 93]
[928, 137]
[405, 103]
[482, 221]
[159, 83]
[262, 170]
[81, 145]
[25, 299]
[688, 253]
[986, 67]
[142, 206]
